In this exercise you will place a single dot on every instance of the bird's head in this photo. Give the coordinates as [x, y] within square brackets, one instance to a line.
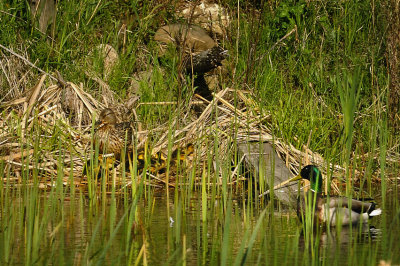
[312, 174]
[107, 116]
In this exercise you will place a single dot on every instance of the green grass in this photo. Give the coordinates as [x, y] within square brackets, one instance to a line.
[325, 86]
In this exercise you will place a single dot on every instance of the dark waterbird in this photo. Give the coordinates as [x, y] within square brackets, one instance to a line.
[330, 210]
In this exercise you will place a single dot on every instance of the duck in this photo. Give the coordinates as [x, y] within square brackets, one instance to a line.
[205, 61]
[201, 54]
[111, 136]
[331, 210]
[158, 163]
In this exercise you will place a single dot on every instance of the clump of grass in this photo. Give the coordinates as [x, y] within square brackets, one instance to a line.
[284, 86]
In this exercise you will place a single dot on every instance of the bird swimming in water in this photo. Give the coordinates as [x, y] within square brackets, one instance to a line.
[331, 210]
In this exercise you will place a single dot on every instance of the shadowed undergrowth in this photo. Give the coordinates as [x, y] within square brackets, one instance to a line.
[309, 77]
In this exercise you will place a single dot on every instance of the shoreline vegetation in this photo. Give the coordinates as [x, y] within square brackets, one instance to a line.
[313, 79]
[60, 106]
[37, 146]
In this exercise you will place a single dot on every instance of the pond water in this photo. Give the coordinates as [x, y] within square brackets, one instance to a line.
[158, 230]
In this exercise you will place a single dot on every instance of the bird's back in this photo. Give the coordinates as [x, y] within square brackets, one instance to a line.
[114, 138]
[335, 211]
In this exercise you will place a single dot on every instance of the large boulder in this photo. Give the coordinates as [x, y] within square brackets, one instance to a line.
[193, 38]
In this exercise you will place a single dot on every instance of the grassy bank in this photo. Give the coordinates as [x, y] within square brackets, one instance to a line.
[310, 77]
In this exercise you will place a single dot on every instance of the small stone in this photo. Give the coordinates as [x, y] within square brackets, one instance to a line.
[109, 55]
[43, 10]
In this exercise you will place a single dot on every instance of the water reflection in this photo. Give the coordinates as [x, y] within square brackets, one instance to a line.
[174, 229]
[344, 236]
[162, 232]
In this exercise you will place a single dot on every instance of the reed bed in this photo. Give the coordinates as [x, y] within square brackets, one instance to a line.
[288, 84]
[30, 121]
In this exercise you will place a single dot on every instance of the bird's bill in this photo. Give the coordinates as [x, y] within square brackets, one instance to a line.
[98, 123]
[297, 177]
[284, 183]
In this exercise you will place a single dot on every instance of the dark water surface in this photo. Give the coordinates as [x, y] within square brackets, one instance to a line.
[173, 232]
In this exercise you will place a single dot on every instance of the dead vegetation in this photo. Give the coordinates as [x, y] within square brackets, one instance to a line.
[48, 128]
[52, 121]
